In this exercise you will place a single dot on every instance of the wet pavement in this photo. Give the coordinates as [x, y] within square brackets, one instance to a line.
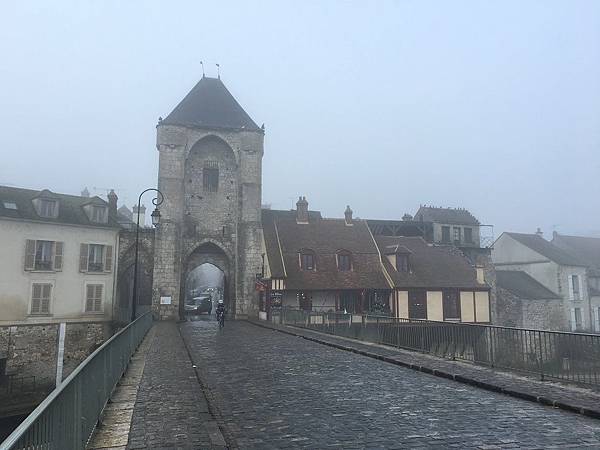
[272, 390]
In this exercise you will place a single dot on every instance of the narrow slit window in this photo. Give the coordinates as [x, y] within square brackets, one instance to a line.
[210, 176]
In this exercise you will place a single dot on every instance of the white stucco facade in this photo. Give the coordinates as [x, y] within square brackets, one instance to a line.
[69, 283]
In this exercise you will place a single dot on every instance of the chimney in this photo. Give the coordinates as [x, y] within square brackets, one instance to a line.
[407, 217]
[112, 203]
[85, 192]
[142, 215]
[348, 215]
[302, 210]
[539, 233]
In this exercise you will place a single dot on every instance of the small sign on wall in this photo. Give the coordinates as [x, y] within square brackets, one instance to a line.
[165, 300]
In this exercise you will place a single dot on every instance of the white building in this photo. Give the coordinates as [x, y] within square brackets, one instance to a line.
[559, 272]
[58, 257]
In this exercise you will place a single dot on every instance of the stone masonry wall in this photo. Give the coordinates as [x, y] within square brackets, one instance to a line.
[31, 350]
[229, 218]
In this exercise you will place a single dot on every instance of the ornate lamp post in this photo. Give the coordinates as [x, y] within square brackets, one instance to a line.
[156, 201]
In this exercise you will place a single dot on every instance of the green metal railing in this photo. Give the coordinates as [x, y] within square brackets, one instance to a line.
[67, 418]
[573, 357]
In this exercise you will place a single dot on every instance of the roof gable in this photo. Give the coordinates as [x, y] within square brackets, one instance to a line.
[546, 249]
[210, 105]
[285, 239]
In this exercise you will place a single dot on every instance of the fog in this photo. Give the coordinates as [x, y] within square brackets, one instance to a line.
[384, 106]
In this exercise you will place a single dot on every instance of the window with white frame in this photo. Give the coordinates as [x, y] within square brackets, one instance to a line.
[575, 287]
[576, 319]
[48, 208]
[98, 214]
[456, 231]
[95, 258]
[93, 297]
[43, 255]
[41, 294]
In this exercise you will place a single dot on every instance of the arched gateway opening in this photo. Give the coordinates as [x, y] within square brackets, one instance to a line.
[206, 278]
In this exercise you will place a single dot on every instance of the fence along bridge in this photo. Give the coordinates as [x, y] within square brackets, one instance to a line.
[68, 416]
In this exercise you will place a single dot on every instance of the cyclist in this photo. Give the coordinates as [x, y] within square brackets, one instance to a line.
[221, 313]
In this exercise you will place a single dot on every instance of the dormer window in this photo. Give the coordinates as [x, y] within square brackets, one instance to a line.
[402, 262]
[307, 260]
[344, 261]
[48, 208]
[98, 214]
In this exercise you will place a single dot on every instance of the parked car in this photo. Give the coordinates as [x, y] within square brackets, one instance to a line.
[200, 304]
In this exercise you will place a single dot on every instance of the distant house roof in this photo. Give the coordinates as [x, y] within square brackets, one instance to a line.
[446, 215]
[285, 239]
[585, 249]
[210, 105]
[543, 247]
[522, 285]
[431, 266]
[17, 203]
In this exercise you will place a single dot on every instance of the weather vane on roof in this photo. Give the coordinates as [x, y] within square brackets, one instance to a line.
[202, 64]
[218, 71]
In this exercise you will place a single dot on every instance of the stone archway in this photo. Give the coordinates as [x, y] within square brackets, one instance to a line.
[209, 253]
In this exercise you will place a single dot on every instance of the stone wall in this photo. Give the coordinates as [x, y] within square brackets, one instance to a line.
[538, 314]
[229, 218]
[31, 350]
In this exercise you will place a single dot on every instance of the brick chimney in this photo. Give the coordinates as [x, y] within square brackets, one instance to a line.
[539, 232]
[302, 210]
[348, 215]
[112, 203]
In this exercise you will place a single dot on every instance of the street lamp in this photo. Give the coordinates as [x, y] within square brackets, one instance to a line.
[156, 201]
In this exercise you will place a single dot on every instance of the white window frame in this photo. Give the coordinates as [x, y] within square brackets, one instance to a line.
[54, 209]
[98, 213]
[103, 262]
[102, 300]
[50, 300]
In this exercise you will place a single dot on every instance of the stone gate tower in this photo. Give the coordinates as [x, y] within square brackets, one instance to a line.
[210, 171]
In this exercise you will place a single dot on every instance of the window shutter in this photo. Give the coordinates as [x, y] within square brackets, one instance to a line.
[36, 298]
[89, 297]
[29, 254]
[573, 324]
[45, 301]
[58, 255]
[583, 318]
[598, 320]
[570, 282]
[108, 258]
[98, 299]
[83, 257]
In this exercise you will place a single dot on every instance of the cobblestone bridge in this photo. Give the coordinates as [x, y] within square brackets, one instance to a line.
[271, 390]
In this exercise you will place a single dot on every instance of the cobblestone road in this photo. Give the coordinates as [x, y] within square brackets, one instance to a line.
[279, 391]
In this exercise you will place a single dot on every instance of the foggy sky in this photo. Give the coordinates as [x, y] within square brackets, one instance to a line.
[491, 106]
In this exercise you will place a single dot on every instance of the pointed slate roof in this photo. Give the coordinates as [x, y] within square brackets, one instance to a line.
[210, 105]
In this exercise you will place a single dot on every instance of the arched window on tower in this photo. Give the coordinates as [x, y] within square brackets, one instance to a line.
[210, 176]
[344, 260]
[307, 260]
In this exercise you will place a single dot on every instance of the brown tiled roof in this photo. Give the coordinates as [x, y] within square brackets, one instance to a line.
[325, 237]
[70, 207]
[431, 266]
[446, 215]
